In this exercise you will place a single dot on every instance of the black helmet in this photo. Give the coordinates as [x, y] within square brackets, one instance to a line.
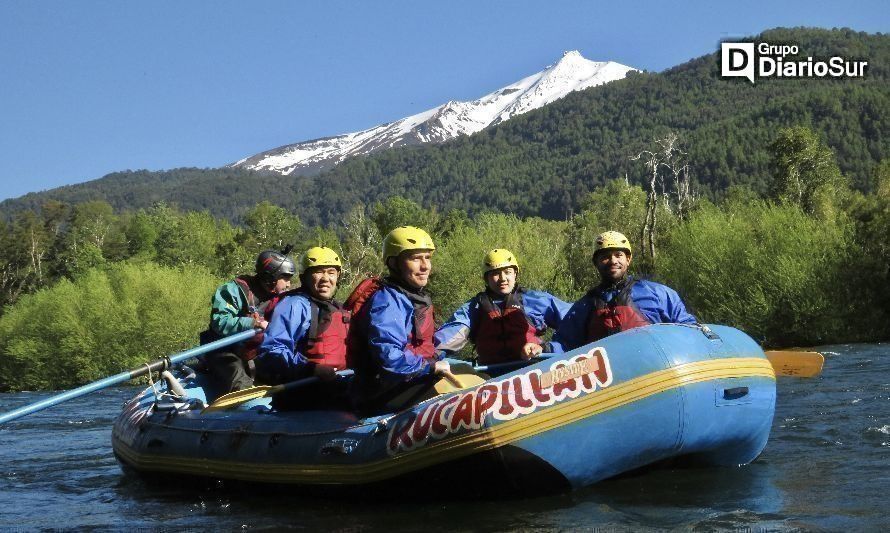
[272, 266]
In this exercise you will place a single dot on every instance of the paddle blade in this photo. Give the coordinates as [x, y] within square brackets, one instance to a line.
[455, 382]
[239, 396]
[797, 364]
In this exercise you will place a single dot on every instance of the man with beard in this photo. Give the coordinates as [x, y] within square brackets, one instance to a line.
[620, 302]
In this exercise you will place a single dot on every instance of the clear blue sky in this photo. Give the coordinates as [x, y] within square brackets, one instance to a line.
[91, 87]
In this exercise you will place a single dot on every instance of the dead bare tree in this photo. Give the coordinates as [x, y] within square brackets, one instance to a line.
[652, 161]
[36, 251]
[685, 196]
[667, 158]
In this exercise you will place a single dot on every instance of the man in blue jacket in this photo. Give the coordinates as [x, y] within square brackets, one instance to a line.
[393, 337]
[505, 321]
[620, 302]
[307, 334]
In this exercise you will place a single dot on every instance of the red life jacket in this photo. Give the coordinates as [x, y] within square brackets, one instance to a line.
[325, 342]
[500, 335]
[608, 318]
[420, 338]
[247, 350]
[355, 304]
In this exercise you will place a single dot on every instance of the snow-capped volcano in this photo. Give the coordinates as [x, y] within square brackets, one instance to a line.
[572, 73]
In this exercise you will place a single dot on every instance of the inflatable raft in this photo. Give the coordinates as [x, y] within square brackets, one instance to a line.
[633, 399]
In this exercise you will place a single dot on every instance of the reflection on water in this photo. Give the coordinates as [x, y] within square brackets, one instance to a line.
[825, 467]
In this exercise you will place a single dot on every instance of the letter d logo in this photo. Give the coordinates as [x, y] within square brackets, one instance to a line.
[737, 60]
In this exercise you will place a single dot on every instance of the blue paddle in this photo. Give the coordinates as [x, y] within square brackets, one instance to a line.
[160, 364]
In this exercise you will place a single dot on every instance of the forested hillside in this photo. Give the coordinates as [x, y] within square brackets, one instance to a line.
[226, 192]
[543, 163]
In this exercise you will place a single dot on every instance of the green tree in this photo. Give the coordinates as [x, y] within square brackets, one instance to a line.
[871, 252]
[772, 271]
[93, 233]
[806, 174]
[270, 227]
[26, 247]
[397, 211]
[194, 240]
[104, 321]
[142, 233]
[360, 249]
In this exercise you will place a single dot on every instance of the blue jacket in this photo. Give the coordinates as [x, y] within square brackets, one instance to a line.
[658, 303]
[390, 321]
[278, 354]
[542, 309]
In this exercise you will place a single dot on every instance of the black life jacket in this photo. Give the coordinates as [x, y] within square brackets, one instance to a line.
[620, 314]
[500, 334]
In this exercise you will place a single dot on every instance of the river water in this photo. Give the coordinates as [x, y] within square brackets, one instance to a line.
[826, 467]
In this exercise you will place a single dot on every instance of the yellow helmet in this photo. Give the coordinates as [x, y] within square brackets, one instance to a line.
[611, 240]
[499, 258]
[319, 256]
[406, 238]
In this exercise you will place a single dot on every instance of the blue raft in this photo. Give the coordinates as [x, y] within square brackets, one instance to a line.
[633, 399]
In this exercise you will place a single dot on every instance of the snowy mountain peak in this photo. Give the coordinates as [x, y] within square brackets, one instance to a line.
[571, 55]
[454, 118]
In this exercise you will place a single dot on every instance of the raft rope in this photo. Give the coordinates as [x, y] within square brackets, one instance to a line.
[151, 382]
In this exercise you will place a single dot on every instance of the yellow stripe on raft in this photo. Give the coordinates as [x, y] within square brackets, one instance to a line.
[505, 433]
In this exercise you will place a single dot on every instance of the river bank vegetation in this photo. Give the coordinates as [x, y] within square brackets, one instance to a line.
[87, 291]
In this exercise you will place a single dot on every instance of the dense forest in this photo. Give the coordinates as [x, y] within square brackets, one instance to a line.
[545, 162]
[88, 290]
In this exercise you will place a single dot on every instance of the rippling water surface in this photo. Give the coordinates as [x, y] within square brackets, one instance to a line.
[826, 467]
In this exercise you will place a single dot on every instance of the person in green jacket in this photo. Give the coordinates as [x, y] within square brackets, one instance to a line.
[241, 304]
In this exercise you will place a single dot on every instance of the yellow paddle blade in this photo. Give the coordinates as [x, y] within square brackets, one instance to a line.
[798, 364]
[448, 383]
[455, 382]
[237, 398]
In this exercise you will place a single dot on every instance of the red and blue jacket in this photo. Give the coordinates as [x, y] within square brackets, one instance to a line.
[398, 334]
[303, 332]
[499, 333]
[604, 311]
